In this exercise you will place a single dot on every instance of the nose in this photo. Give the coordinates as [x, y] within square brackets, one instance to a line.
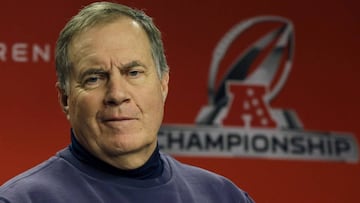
[116, 91]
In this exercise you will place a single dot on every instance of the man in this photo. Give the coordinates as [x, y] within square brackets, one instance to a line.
[112, 84]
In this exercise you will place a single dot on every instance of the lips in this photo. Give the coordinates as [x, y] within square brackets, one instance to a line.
[116, 117]
[118, 122]
[122, 118]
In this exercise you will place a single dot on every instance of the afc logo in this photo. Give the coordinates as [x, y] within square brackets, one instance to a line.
[238, 120]
[242, 98]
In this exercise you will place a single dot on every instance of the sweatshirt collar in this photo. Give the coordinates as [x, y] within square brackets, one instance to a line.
[153, 168]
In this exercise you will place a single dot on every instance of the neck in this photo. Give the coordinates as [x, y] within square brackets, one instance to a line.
[151, 167]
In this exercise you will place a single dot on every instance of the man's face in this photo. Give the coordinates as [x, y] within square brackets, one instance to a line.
[115, 100]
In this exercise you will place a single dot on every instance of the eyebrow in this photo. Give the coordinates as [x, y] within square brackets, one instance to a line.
[123, 67]
[132, 64]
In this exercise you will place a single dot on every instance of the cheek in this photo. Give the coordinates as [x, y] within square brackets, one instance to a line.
[154, 105]
[82, 107]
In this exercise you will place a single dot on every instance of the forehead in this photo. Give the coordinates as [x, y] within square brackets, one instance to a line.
[120, 38]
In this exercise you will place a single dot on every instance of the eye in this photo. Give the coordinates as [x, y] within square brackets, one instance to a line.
[93, 80]
[135, 73]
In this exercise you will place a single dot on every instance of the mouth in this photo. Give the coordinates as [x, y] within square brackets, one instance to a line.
[117, 119]
[118, 122]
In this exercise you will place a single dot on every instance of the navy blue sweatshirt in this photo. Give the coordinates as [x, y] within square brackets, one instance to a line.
[75, 176]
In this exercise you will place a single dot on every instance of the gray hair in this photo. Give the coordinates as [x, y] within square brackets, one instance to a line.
[102, 13]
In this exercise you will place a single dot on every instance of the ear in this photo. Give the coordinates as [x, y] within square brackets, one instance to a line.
[165, 84]
[63, 99]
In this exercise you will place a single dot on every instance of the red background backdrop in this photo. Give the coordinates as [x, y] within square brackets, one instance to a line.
[322, 87]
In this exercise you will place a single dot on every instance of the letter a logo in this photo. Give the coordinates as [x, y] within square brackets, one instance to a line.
[247, 107]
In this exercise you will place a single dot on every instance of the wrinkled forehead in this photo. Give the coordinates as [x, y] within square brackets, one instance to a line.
[97, 23]
[118, 42]
[88, 33]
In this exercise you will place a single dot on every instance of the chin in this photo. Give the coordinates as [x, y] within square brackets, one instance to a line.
[123, 148]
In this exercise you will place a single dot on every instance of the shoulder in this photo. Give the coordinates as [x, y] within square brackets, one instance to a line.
[29, 175]
[196, 173]
[216, 185]
[32, 181]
